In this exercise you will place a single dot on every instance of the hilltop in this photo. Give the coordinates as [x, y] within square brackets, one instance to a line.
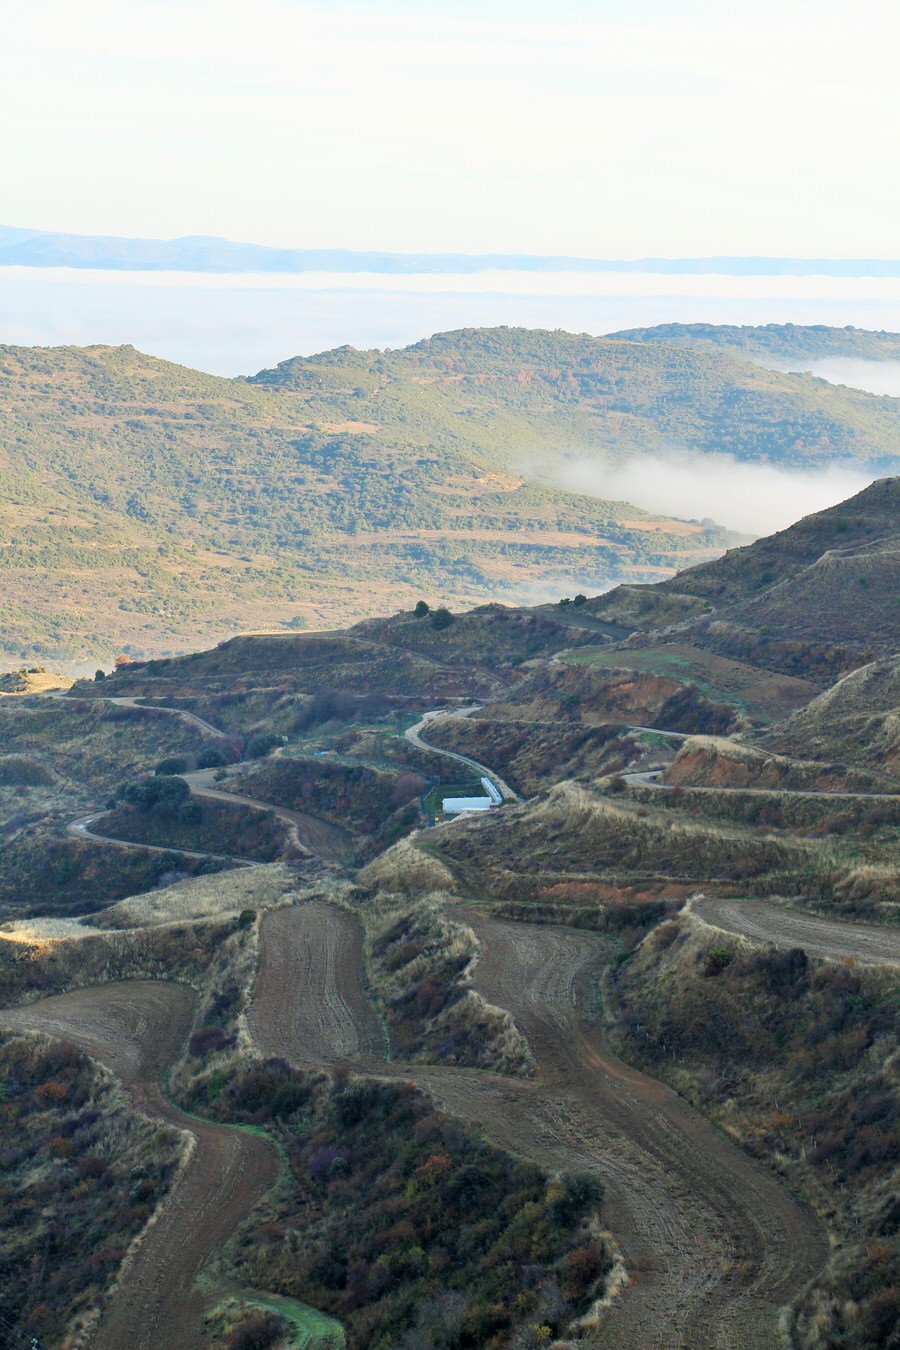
[150, 507]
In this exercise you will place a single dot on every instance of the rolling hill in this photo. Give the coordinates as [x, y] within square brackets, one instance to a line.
[151, 508]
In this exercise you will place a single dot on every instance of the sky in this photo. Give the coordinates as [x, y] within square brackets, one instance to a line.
[602, 129]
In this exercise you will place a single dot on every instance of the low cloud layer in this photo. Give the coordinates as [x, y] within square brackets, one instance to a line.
[755, 499]
[875, 377]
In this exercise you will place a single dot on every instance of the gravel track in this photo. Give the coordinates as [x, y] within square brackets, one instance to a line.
[137, 1029]
[763, 922]
[712, 1242]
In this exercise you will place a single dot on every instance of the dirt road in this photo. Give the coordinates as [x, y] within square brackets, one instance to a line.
[763, 922]
[137, 1029]
[81, 828]
[414, 736]
[320, 836]
[712, 1242]
[650, 778]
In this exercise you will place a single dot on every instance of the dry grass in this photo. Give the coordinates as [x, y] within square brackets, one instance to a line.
[200, 898]
[420, 963]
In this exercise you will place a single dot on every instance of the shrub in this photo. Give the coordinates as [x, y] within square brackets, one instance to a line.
[257, 1332]
[211, 758]
[261, 745]
[174, 765]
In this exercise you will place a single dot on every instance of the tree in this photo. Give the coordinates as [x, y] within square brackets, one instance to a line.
[441, 618]
[420, 610]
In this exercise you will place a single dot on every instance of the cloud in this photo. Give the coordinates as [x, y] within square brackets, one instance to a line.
[875, 377]
[753, 498]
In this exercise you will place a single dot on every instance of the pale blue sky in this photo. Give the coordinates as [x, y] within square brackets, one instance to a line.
[605, 129]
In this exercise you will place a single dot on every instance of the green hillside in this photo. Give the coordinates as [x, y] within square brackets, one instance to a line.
[154, 508]
[531, 397]
[777, 341]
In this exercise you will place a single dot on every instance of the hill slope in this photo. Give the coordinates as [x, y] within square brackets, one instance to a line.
[814, 600]
[774, 341]
[153, 507]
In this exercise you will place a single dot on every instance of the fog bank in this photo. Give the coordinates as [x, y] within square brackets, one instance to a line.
[875, 377]
[755, 499]
[238, 325]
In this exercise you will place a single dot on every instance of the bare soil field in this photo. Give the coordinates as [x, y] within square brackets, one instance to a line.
[309, 1005]
[713, 1244]
[785, 927]
[765, 697]
[136, 1030]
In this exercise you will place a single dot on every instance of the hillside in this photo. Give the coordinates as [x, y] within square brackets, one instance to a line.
[525, 393]
[773, 341]
[856, 721]
[811, 601]
[690, 884]
[153, 508]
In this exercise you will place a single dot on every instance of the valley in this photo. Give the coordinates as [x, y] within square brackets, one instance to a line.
[150, 509]
[613, 1063]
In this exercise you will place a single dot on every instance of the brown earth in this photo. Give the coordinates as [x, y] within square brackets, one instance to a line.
[786, 927]
[136, 1030]
[712, 1243]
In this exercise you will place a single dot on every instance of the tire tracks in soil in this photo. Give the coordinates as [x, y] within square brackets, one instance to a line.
[137, 1029]
[713, 1243]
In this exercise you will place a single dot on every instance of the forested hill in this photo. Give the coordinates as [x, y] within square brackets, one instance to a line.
[523, 389]
[154, 508]
[776, 341]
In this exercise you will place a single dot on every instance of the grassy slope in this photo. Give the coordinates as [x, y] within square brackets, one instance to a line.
[153, 506]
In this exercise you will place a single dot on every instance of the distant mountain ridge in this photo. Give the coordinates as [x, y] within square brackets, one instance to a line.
[207, 253]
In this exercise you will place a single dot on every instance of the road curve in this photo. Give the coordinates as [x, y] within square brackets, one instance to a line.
[329, 841]
[124, 701]
[137, 1029]
[784, 927]
[712, 1242]
[81, 828]
[414, 736]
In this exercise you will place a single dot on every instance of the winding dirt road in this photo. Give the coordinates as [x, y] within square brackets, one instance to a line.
[784, 927]
[137, 1029]
[414, 736]
[712, 1242]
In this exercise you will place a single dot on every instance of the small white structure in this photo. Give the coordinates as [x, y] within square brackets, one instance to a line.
[466, 806]
[494, 793]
